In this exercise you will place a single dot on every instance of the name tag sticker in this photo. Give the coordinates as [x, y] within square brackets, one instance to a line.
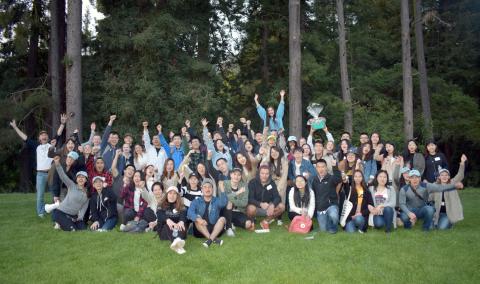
[269, 187]
[437, 159]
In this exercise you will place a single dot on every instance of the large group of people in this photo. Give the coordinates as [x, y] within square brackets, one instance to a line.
[236, 177]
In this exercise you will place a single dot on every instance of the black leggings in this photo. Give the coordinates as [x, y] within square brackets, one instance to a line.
[166, 234]
[237, 218]
[68, 222]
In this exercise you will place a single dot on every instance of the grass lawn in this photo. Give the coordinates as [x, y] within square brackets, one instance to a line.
[31, 251]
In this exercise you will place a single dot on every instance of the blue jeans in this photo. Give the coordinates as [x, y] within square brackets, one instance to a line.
[41, 184]
[356, 223]
[426, 213]
[384, 220]
[443, 222]
[109, 223]
[328, 220]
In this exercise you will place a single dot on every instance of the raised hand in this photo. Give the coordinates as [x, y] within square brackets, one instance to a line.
[187, 123]
[113, 117]
[56, 159]
[230, 127]
[256, 97]
[219, 121]
[159, 128]
[63, 118]
[53, 142]
[209, 155]
[93, 126]
[459, 185]
[282, 93]
[75, 131]
[145, 124]
[13, 124]
[118, 152]
[249, 122]
[463, 159]
[80, 149]
[204, 122]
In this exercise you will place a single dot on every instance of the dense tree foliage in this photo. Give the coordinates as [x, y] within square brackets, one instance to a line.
[169, 60]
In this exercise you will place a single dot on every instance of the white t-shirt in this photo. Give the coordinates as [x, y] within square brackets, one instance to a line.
[43, 161]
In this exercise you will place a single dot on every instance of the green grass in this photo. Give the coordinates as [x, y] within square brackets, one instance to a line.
[32, 252]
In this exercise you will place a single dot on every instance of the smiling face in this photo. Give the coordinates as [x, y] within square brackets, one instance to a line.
[201, 169]
[300, 182]
[113, 139]
[412, 147]
[236, 176]
[222, 166]
[274, 153]
[156, 141]
[306, 150]
[99, 165]
[128, 140]
[375, 138]
[351, 157]
[98, 185]
[172, 196]
[70, 145]
[137, 178]
[126, 148]
[241, 159]
[330, 146]
[69, 161]
[220, 145]
[264, 175]
[149, 171]
[321, 169]
[43, 138]
[389, 148]
[358, 178]
[207, 190]
[382, 179]
[414, 181]
[81, 180]
[138, 149]
[444, 177]
[431, 148]
[318, 147]
[157, 191]
[363, 138]
[96, 140]
[193, 182]
[271, 111]
[170, 166]
[366, 149]
[344, 146]
[248, 146]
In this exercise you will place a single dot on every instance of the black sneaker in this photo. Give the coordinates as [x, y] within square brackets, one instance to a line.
[218, 242]
[207, 243]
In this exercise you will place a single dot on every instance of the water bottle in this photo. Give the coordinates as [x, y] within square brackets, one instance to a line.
[175, 233]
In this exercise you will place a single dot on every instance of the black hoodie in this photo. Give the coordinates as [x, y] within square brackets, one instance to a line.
[103, 206]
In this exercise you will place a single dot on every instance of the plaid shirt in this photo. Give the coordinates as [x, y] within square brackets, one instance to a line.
[128, 195]
[93, 173]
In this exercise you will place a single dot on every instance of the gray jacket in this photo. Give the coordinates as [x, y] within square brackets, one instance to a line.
[76, 201]
[390, 202]
[408, 199]
[453, 203]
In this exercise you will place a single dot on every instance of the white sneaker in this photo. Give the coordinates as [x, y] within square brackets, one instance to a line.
[122, 227]
[279, 222]
[57, 226]
[50, 207]
[177, 243]
[230, 233]
[180, 251]
[101, 230]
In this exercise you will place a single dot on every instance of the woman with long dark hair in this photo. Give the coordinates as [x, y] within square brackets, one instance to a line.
[171, 218]
[249, 169]
[369, 165]
[384, 200]
[361, 199]
[412, 157]
[301, 199]
[271, 118]
[278, 164]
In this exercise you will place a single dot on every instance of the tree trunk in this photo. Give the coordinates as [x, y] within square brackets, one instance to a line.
[204, 30]
[407, 72]
[342, 44]
[55, 64]
[74, 66]
[62, 50]
[295, 84]
[422, 69]
[265, 71]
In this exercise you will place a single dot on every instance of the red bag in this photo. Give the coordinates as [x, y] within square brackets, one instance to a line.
[300, 224]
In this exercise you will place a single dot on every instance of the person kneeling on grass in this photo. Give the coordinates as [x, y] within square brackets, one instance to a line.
[205, 213]
[263, 198]
[361, 199]
[103, 206]
[413, 200]
[171, 218]
[71, 210]
[301, 199]
[237, 194]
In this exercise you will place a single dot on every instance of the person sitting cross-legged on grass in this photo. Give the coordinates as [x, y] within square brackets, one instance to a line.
[103, 206]
[413, 200]
[134, 205]
[263, 198]
[384, 199]
[237, 194]
[71, 210]
[171, 218]
[205, 213]
[326, 200]
[301, 199]
[361, 200]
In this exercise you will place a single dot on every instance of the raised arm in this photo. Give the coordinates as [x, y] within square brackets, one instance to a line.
[61, 173]
[163, 141]
[114, 168]
[20, 133]
[281, 105]
[106, 133]
[206, 139]
[461, 170]
[260, 110]
[146, 136]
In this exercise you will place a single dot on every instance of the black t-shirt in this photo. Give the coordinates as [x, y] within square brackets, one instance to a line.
[205, 214]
